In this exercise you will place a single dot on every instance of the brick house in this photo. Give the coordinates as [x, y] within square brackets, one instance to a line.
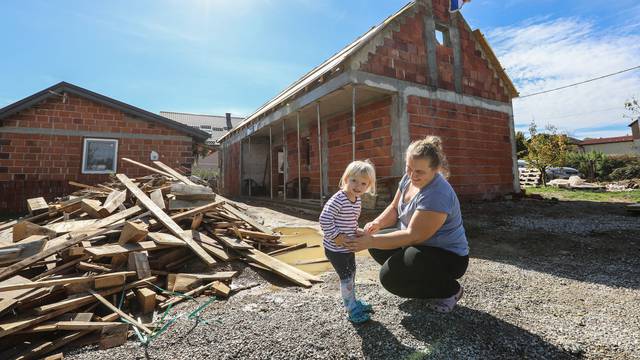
[422, 71]
[67, 133]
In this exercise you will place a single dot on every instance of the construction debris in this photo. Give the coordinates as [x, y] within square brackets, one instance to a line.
[574, 182]
[121, 251]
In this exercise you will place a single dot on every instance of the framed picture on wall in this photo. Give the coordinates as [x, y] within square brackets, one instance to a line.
[99, 156]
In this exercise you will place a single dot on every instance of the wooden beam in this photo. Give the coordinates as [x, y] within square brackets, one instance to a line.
[122, 314]
[24, 229]
[174, 173]
[246, 219]
[26, 248]
[158, 199]
[287, 249]
[150, 168]
[114, 200]
[117, 249]
[93, 208]
[287, 271]
[37, 206]
[165, 239]
[133, 232]
[165, 219]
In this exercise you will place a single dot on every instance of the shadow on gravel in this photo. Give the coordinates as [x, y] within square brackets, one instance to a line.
[585, 241]
[378, 343]
[468, 333]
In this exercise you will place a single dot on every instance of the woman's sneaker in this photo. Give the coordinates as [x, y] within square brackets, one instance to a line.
[447, 304]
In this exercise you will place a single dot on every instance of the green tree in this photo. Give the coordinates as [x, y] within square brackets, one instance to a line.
[521, 145]
[546, 149]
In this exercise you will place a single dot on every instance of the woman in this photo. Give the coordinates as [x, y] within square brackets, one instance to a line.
[429, 252]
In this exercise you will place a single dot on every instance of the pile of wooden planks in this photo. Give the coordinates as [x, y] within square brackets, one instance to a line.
[109, 257]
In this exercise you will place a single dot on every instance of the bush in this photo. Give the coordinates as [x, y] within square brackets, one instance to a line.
[590, 164]
[626, 173]
[614, 162]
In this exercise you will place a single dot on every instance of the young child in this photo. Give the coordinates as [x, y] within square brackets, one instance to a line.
[339, 221]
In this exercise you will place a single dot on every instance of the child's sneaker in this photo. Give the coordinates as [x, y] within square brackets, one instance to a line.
[357, 316]
[447, 304]
[364, 306]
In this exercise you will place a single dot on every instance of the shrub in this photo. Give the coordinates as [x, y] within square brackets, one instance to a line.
[614, 162]
[626, 173]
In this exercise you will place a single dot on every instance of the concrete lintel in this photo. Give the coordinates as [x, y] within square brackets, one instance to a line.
[408, 89]
[309, 98]
[83, 133]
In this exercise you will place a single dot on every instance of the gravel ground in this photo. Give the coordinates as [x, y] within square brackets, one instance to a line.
[547, 280]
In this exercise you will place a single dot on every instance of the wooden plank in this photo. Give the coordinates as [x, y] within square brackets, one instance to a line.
[76, 302]
[116, 249]
[186, 281]
[26, 248]
[110, 280]
[53, 325]
[197, 220]
[113, 336]
[174, 173]
[288, 248]
[64, 281]
[157, 198]
[285, 270]
[165, 219]
[70, 226]
[6, 305]
[24, 229]
[165, 239]
[92, 207]
[141, 262]
[83, 325]
[122, 314]
[233, 243]
[146, 299]
[178, 204]
[212, 246]
[249, 220]
[85, 266]
[311, 261]
[192, 293]
[114, 200]
[150, 168]
[37, 206]
[200, 209]
[63, 242]
[85, 186]
[133, 232]
[258, 235]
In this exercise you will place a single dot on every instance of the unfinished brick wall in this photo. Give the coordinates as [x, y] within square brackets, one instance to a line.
[33, 165]
[476, 142]
[373, 140]
[403, 56]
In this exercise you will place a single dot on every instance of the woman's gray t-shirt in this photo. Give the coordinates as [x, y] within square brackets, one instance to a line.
[440, 197]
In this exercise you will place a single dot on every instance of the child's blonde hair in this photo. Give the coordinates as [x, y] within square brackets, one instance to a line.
[360, 168]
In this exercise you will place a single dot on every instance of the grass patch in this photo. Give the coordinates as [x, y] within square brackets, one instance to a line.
[548, 192]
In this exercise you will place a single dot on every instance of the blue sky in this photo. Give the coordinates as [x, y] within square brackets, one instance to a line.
[216, 56]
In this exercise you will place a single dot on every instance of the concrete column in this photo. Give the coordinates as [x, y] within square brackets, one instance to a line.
[454, 35]
[399, 132]
[284, 162]
[270, 165]
[299, 172]
[430, 44]
[514, 156]
[353, 123]
[320, 155]
[241, 170]
[249, 140]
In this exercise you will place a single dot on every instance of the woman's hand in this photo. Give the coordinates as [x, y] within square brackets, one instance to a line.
[340, 239]
[359, 243]
[372, 227]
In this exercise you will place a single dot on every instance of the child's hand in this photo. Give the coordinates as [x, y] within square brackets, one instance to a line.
[340, 239]
[371, 227]
[360, 232]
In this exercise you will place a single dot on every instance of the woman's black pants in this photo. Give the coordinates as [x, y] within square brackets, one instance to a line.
[421, 272]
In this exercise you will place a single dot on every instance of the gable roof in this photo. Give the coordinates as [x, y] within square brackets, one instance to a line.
[217, 124]
[609, 140]
[64, 87]
[334, 62]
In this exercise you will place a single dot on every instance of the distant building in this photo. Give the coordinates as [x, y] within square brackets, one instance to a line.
[215, 126]
[618, 145]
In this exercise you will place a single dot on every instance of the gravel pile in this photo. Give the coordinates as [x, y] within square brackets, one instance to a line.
[529, 293]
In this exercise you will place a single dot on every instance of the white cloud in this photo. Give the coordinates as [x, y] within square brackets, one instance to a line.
[544, 54]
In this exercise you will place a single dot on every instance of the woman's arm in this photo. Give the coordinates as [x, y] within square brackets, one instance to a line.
[422, 226]
[387, 218]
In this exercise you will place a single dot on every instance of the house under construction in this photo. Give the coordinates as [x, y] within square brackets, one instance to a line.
[422, 71]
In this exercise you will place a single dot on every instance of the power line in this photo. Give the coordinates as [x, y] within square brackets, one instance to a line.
[581, 82]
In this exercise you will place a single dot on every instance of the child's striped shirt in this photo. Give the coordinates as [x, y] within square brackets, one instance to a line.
[339, 216]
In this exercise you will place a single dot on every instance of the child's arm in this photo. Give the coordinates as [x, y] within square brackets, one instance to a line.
[327, 221]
